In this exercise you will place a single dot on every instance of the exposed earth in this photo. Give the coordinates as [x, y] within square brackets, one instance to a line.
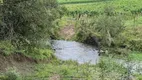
[21, 63]
[67, 32]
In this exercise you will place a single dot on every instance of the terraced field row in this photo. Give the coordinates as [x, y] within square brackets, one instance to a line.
[79, 1]
[119, 6]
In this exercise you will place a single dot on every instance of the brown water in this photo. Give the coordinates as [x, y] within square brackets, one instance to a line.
[71, 50]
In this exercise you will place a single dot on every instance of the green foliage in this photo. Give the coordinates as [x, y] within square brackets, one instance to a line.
[130, 11]
[2, 77]
[138, 77]
[40, 54]
[6, 47]
[12, 74]
[108, 67]
[71, 70]
[121, 6]
[132, 38]
[1, 1]
[134, 22]
[61, 1]
[135, 55]
[78, 1]
[28, 22]
[84, 28]
[109, 28]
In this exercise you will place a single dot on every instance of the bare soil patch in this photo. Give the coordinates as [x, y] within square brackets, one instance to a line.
[24, 65]
[67, 32]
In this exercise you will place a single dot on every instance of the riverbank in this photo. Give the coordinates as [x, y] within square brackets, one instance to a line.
[55, 69]
[20, 62]
[27, 29]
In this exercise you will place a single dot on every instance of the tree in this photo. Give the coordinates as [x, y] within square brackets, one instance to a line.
[27, 22]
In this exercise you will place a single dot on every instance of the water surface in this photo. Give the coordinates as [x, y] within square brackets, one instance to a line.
[71, 50]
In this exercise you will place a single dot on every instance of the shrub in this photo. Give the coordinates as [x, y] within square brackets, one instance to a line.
[109, 28]
[26, 22]
[85, 27]
[40, 54]
[6, 47]
[132, 38]
[11, 74]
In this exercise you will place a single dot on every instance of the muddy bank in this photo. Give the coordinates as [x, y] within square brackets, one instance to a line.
[19, 61]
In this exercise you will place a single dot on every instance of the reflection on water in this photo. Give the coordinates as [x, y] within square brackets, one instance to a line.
[71, 50]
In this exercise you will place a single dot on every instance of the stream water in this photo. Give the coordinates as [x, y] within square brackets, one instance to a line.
[83, 53]
[71, 50]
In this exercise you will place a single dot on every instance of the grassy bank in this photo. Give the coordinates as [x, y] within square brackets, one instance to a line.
[53, 69]
[39, 63]
[107, 68]
[136, 56]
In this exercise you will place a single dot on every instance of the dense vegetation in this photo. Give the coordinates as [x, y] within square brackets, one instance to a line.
[28, 21]
[114, 26]
[25, 24]
[125, 16]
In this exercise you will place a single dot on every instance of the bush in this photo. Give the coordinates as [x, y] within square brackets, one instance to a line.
[109, 28]
[85, 27]
[139, 77]
[11, 74]
[6, 47]
[40, 54]
[132, 38]
[26, 22]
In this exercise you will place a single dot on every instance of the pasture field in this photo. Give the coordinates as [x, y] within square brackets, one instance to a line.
[79, 1]
[130, 9]
[119, 5]
[67, 1]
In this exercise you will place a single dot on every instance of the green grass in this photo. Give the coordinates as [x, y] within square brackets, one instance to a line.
[134, 22]
[62, 1]
[7, 48]
[40, 54]
[78, 1]
[69, 70]
[136, 56]
[120, 5]
[73, 0]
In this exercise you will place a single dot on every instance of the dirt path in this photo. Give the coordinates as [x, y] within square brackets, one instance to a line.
[67, 32]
